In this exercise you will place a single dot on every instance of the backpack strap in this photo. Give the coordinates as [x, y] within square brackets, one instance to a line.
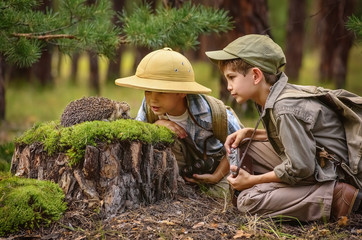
[219, 117]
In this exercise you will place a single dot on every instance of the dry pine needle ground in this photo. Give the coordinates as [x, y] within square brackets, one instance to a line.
[194, 217]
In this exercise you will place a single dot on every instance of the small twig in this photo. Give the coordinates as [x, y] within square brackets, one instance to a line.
[43, 37]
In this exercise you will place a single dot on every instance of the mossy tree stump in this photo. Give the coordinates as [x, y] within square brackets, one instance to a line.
[114, 176]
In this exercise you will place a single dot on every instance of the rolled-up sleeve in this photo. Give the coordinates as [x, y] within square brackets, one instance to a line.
[299, 149]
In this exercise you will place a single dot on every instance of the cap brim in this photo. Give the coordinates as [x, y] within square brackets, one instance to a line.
[220, 55]
[156, 85]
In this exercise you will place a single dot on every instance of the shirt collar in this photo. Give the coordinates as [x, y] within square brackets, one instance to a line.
[275, 91]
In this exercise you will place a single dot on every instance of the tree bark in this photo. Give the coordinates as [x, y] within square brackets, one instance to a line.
[335, 40]
[295, 38]
[113, 177]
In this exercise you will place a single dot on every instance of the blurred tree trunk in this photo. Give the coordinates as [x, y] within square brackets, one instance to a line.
[115, 65]
[2, 89]
[93, 67]
[295, 38]
[335, 40]
[94, 74]
[74, 67]
[42, 70]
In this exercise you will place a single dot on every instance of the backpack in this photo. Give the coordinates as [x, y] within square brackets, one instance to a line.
[348, 106]
[219, 117]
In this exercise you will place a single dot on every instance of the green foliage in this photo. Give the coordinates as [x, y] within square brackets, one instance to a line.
[73, 140]
[6, 153]
[25, 31]
[27, 203]
[171, 27]
[355, 24]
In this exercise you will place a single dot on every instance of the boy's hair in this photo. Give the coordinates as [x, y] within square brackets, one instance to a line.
[242, 67]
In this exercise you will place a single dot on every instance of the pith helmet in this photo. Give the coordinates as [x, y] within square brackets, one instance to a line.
[164, 70]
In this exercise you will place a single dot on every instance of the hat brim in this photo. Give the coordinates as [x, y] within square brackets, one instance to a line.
[220, 55]
[158, 85]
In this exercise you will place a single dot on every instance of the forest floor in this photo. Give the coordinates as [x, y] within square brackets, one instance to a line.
[196, 216]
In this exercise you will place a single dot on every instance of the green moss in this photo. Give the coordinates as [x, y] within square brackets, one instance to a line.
[27, 203]
[73, 140]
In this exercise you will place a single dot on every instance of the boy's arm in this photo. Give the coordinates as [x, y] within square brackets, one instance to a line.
[245, 180]
[234, 139]
[180, 131]
[221, 171]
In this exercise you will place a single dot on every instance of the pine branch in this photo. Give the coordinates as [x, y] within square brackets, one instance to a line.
[355, 24]
[79, 26]
[175, 28]
[43, 37]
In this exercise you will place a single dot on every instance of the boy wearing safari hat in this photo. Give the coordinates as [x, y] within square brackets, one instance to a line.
[173, 99]
[303, 183]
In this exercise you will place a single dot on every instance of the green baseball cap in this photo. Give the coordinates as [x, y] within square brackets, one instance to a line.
[257, 50]
[164, 70]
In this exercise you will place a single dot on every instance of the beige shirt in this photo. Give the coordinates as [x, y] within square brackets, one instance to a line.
[302, 124]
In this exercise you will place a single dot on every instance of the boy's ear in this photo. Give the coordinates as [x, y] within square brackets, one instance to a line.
[257, 75]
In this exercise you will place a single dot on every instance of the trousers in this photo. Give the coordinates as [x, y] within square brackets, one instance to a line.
[305, 201]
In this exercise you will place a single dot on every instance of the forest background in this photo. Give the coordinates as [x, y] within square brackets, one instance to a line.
[319, 49]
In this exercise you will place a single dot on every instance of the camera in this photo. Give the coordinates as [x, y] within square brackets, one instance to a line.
[233, 158]
[200, 166]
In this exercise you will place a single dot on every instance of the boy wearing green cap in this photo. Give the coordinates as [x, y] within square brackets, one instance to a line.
[303, 183]
[173, 99]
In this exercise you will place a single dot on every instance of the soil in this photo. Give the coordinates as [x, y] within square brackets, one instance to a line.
[190, 215]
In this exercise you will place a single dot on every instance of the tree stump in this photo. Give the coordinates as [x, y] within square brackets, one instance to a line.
[113, 177]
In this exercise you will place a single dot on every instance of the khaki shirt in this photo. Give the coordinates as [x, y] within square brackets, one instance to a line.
[296, 128]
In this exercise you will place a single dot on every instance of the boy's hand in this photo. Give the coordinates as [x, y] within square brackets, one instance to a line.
[234, 139]
[180, 131]
[202, 178]
[241, 181]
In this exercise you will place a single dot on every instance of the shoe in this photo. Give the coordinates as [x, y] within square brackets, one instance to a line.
[344, 196]
[357, 206]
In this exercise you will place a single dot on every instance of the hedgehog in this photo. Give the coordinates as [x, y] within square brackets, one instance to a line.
[93, 108]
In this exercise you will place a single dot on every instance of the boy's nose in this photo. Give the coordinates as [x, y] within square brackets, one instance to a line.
[153, 96]
[229, 87]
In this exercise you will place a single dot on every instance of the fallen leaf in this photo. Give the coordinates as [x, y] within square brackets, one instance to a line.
[167, 222]
[343, 221]
[241, 233]
[214, 225]
[324, 232]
